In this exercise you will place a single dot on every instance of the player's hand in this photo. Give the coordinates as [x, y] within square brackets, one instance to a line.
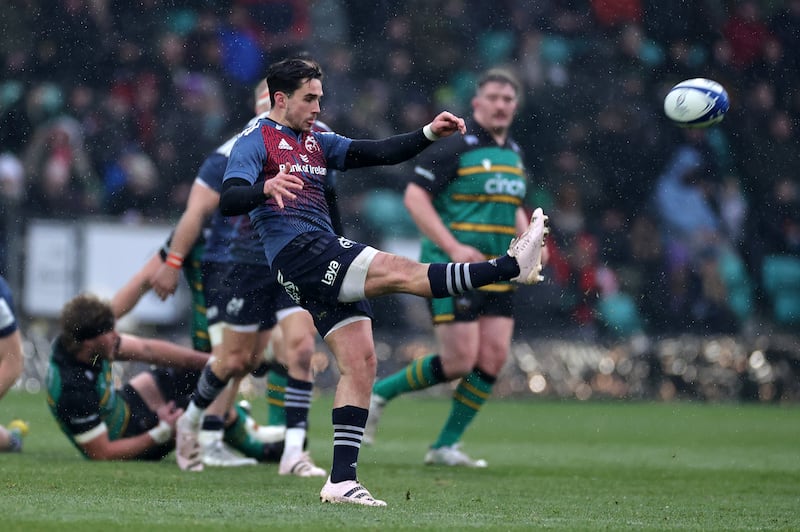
[446, 123]
[169, 414]
[165, 281]
[465, 253]
[281, 186]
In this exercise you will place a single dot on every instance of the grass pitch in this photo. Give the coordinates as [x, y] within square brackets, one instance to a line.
[552, 465]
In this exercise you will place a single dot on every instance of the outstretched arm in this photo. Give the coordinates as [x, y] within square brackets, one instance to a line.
[399, 148]
[201, 204]
[137, 286]
[160, 352]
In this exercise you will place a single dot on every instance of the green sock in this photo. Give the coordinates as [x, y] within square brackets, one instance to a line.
[419, 374]
[237, 437]
[468, 398]
[276, 389]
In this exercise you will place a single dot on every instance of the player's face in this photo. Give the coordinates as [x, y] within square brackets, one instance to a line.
[494, 105]
[103, 346]
[302, 107]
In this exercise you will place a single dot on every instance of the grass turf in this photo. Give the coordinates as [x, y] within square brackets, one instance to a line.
[552, 465]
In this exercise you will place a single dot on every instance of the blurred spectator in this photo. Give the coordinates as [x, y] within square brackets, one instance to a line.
[644, 273]
[12, 188]
[772, 152]
[12, 179]
[278, 24]
[136, 198]
[747, 31]
[15, 125]
[62, 181]
[610, 13]
[774, 250]
[783, 25]
[698, 250]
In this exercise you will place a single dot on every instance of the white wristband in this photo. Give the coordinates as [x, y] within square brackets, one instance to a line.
[161, 433]
[429, 134]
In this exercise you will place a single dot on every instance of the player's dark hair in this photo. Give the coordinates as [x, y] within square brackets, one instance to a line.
[286, 76]
[500, 75]
[84, 317]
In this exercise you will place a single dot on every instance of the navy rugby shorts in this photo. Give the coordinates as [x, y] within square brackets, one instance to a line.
[311, 268]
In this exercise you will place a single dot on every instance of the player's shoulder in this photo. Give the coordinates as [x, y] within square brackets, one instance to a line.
[446, 147]
[5, 290]
[513, 145]
[321, 127]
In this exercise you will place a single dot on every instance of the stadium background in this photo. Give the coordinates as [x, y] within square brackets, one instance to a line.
[108, 107]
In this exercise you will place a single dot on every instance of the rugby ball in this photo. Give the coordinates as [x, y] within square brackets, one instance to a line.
[697, 102]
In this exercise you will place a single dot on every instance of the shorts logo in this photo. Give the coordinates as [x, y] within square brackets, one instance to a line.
[345, 243]
[463, 304]
[331, 273]
[234, 306]
[212, 312]
[291, 289]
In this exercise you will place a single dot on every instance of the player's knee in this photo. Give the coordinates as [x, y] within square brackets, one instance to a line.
[238, 363]
[359, 364]
[300, 349]
[458, 362]
[458, 367]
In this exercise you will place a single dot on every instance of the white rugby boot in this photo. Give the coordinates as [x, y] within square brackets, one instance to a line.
[452, 455]
[527, 249]
[348, 492]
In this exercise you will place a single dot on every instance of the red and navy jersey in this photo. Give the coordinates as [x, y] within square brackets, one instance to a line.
[267, 147]
[229, 239]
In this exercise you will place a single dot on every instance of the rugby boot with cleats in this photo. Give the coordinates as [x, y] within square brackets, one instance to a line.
[527, 249]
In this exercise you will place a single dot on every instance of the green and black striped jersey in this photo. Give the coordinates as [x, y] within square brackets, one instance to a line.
[477, 187]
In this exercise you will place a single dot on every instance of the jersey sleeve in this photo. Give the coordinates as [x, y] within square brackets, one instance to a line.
[247, 156]
[79, 411]
[335, 147]
[8, 321]
[437, 166]
[212, 171]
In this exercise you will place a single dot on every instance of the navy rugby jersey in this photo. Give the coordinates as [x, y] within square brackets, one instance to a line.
[8, 322]
[260, 152]
[229, 239]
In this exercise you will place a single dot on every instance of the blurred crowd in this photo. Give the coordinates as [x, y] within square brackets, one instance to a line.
[109, 106]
